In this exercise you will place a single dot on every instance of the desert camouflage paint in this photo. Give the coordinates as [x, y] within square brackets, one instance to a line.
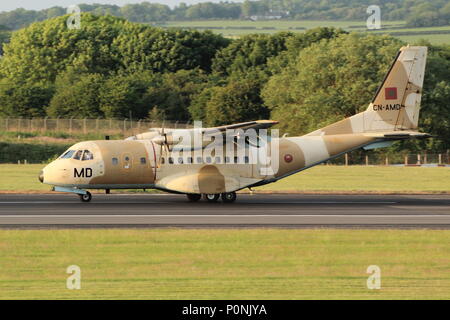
[146, 160]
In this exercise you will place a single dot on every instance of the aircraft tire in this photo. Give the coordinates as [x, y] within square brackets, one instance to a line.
[194, 197]
[229, 197]
[211, 197]
[86, 197]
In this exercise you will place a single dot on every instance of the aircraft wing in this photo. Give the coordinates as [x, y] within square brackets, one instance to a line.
[163, 136]
[258, 124]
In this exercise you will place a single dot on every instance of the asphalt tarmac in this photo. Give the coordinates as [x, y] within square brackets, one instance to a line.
[257, 210]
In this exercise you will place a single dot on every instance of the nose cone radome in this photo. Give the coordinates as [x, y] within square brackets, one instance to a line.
[41, 176]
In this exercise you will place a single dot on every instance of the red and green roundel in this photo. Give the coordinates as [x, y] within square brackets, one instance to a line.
[391, 93]
[288, 158]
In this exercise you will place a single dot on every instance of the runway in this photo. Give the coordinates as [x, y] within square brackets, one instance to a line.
[258, 210]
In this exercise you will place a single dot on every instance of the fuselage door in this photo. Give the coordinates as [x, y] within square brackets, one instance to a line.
[127, 162]
[153, 156]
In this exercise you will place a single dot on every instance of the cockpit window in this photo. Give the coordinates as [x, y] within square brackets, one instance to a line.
[68, 154]
[78, 155]
[87, 155]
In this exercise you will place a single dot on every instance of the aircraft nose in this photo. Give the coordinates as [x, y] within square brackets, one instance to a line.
[41, 176]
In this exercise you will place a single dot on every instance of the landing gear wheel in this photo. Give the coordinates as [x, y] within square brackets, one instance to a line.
[194, 197]
[229, 197]
[212, 197]
[86, 197]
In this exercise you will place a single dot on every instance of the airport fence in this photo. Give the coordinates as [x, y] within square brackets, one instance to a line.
[370, 158]
[126, 127]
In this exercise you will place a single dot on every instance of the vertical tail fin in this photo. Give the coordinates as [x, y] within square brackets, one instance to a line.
[396, 104]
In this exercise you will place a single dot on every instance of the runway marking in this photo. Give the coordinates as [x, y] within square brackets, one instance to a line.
[263, 203]
[224, 216]
[71, 202]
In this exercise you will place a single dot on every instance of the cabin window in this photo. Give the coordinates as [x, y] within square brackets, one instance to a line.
[87, 155]
[68, 154]
[78, 155]
[199, 160]
[218, 160]
[143, 161]
[115, 161]
[171, 160]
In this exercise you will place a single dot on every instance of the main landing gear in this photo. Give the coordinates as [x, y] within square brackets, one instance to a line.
[228, 197]
[194, 197]
[211, 197]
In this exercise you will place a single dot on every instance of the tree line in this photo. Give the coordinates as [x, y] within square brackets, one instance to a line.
[417, 13]
[113, 68]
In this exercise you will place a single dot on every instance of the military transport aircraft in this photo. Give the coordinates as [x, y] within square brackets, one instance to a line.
[227, 160]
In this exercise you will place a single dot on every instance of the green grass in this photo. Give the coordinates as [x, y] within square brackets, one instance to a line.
[237, 28]
[225, 264]
[23, 178]
[432, 38]
[366, 179]
[279, 24]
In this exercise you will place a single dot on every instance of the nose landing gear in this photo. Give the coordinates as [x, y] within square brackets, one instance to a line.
[86, 197]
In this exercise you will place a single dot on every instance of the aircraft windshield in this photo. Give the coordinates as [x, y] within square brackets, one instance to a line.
[78, 155]
[87, 155]
[68, 154]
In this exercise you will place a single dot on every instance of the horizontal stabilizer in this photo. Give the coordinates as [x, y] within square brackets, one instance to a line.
[397, 135]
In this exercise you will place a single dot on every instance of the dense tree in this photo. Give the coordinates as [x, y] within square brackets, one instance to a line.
[76, 95]
[244, 64]
[125, 95]
[238, 101]
[435, 112]
[43, 50]
[248, 52]
[24, 99]
[173, 95]
[104, 45]
[145, 12]
[432, 13]
[5, 35]
[329, 80]
[141, 47]
[299, 42]
[197, 107]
